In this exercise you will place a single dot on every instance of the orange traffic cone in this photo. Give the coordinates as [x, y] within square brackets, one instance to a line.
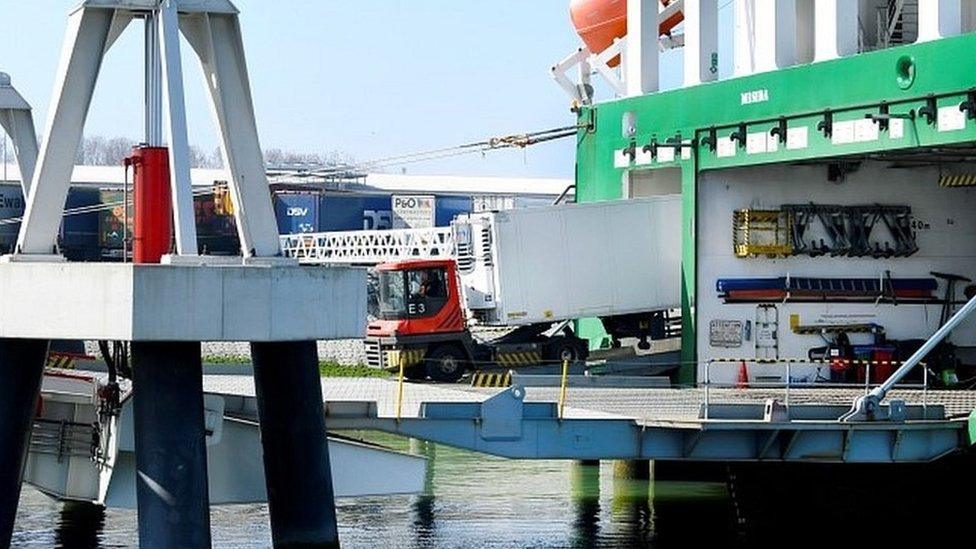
[743, 380]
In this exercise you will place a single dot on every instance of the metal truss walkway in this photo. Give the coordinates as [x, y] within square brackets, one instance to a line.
[368, 247]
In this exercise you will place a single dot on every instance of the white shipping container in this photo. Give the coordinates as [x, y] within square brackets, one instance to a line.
[528, 266]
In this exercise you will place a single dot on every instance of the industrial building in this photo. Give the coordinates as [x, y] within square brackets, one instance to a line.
[303, 203]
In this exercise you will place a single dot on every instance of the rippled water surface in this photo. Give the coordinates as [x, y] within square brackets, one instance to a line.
[479, 501]
[472, 501]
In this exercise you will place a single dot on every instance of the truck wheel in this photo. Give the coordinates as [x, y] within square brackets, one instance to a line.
[445, 364]
[566, 350]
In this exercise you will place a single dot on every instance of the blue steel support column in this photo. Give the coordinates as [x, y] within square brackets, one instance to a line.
[171, 446]
[21, 368]
[296, 452]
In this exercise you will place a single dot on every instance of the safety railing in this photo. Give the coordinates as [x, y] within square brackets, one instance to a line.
[401, 374]
[65, 439]
[788, 383]
[368, 247]
[563, 384]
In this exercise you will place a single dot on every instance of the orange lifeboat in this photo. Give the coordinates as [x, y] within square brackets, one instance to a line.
[600, 22]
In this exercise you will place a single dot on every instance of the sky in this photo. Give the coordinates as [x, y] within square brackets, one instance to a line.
[367, 78]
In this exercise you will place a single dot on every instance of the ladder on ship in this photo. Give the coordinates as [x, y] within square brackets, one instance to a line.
[897, 23]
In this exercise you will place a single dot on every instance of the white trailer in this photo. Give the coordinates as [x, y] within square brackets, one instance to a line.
[521, 267]
[532, 270]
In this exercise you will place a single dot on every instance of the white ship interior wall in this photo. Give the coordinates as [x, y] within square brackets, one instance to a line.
[942, 224]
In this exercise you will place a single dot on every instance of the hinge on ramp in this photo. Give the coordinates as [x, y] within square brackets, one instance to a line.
[501, 415]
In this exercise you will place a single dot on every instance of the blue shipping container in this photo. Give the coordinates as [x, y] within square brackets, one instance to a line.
[78, 234]
[446, 208]
[341, 212]
[78, 238]
[314, 211]
[355, 212]
[297, 212]
[11, 207]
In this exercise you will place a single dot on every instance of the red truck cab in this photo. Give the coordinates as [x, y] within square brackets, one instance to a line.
[421, 323]
[418, 297]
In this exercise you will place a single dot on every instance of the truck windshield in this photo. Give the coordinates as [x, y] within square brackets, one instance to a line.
[414, 293]
[392, 302]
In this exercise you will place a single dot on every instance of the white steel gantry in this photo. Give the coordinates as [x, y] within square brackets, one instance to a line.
[166, 310]
[17, 121]
[207, 299]
[212, 29]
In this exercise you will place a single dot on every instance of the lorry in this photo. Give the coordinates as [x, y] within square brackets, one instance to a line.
[531, 272]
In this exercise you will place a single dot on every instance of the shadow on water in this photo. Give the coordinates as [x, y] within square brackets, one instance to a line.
[423, 505]
[886, 505]
[80, 526]
[585, 496]
[632, 510]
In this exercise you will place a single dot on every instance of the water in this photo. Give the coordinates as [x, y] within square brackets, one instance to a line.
[472, 501]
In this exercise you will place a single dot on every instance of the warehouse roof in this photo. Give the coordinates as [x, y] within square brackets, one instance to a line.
[114, 175]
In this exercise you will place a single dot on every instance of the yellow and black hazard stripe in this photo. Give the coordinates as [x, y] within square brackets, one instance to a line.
[958, 180]
[518, 358]
[408, 358]
[491, 379]
[60, 361]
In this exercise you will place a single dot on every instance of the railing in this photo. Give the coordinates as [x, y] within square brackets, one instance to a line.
[65, 439]
[565, 194]
[368, 247]
[820, 383]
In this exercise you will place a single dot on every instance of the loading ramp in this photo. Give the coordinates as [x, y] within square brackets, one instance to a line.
[651, 423]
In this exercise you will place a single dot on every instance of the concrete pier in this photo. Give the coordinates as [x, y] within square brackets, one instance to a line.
[630, 504]
[296, 453]
[21, 367]
[170, 441]
[632, 469]
[631, 480]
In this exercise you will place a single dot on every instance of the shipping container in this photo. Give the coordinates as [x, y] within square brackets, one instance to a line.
[78, 234]
[345, 212]
[216, 231]
[540, 265]
[297, 212]
[111, 228]
[216, 228]
[78, 239]
[316, 211]
[11, 207]
[446, 208]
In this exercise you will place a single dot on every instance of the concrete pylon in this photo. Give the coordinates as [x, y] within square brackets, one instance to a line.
[16, 119]
[171, 445]
[301, 499]
[21, 367]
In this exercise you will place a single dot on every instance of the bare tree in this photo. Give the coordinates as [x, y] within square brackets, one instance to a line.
[97, 150]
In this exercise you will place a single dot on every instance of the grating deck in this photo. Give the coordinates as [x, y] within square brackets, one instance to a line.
[643, 405]
[651, 405]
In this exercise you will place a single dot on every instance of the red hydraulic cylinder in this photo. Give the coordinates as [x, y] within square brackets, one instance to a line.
[153, 204]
